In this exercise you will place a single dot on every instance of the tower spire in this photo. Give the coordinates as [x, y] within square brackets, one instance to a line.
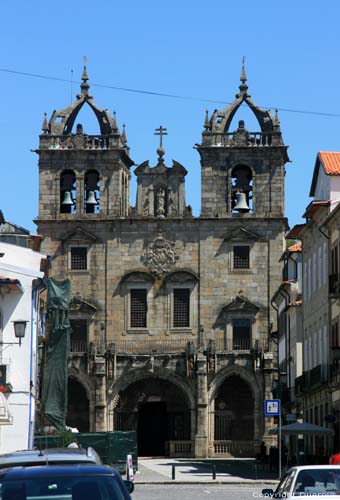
[84, 86]
[243, 87]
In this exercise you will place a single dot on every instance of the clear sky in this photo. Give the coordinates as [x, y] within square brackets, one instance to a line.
[192, 49]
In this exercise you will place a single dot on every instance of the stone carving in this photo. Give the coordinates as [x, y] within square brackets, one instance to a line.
[160, 207]
[159, 256]
[171, 203]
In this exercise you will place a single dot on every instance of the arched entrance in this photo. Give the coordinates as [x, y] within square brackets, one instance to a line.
[234, 411]
[77, 406]
[157, 409]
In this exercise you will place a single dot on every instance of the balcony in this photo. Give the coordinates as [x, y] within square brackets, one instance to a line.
[334, 285]
[318, 376]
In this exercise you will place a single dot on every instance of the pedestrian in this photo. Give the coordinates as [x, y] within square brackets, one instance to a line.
[263, 452]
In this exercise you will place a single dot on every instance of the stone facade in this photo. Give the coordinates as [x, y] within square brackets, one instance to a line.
[170, 313]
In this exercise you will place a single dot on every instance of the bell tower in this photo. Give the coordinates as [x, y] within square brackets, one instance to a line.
[83, 176]
[242, 171]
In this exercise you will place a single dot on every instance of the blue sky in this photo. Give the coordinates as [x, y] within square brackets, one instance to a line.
[190, 49]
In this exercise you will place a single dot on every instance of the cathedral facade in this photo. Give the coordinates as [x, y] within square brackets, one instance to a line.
[171, 314]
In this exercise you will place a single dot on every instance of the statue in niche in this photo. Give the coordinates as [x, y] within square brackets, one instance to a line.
[171, 202]
[146, 206]
[160, 207]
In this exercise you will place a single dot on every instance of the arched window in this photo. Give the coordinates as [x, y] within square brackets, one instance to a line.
[67, 192]
[241, 189]
[92, 192]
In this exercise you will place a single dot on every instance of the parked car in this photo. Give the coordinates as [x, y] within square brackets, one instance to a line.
[64, 482]
[50, 456]
[321, 481]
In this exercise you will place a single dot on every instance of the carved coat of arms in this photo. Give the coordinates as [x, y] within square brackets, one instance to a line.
[159, 256]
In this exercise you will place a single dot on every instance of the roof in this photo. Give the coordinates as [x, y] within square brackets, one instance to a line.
[314, 206]
[52, 455]
[12, 284]
[297, 247]
[331, 165]
[330, 162]
[56, 471]
[295, 231]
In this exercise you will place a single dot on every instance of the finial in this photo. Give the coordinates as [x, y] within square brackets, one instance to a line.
[276, 120]
[160, 150]
[243, 87]
[124, 135]
[206, 121]
[84, 87]
[243, 76]
[114, 123]
[45, 127]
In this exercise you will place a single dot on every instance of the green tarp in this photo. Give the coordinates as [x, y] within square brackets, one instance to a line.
[54, 386]
[112, 447]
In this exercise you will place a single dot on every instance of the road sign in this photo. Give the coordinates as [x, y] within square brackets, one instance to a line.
[272, 407]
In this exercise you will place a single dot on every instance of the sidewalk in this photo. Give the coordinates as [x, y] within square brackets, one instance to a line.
[231, 471]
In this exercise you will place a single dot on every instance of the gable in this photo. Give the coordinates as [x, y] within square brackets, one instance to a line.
[241, 234]
[79, 234]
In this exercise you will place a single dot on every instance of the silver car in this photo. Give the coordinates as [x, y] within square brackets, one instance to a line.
[50, 456]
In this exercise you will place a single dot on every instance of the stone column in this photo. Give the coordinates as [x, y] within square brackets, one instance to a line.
[100, 403]
[201, 438]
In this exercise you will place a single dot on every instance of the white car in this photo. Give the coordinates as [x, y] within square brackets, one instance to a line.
[322, 481]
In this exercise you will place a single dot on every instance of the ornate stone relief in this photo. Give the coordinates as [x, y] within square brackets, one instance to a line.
[159, 256]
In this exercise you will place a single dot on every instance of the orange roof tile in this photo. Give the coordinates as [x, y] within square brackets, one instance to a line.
[297, 247]
[330, 162]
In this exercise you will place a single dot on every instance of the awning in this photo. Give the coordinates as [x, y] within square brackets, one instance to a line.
[302, 428]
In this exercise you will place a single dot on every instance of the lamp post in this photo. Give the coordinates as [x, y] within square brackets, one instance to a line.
[19, 331]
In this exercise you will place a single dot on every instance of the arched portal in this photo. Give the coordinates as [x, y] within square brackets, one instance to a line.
[158, 410]
[234, 410]
[78, 414]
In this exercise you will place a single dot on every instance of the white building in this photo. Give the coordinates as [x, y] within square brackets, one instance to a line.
[20, 289]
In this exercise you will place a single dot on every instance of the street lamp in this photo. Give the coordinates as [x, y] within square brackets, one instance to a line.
[19, 331]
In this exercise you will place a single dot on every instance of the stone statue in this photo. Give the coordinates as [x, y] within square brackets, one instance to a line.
[160, 207]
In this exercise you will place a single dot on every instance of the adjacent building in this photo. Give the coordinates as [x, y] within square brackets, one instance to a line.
[21, 285]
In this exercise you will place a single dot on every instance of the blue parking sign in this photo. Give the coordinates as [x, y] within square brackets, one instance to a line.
[272, 407]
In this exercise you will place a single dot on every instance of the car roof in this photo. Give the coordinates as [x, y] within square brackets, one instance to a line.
[46, 471]
[314, 467]
[60, 455]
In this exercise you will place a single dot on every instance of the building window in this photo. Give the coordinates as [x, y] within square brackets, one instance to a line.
[181, 308]
[79, 258]
[78, 338]
[138, 308]
[241, 257]
[335, 334]
[241, 334]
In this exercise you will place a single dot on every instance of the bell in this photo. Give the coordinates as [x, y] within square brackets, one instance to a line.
[241, 205]
[91, 199]
[67, 198]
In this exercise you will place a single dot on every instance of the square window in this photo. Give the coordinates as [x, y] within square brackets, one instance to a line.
[138, 308]
[79, 258]
[241, 257]
[181, 308]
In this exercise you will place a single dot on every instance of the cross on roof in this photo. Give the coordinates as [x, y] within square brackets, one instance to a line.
[160, 131]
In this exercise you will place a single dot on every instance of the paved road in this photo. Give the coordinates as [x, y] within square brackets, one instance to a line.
[197, 492]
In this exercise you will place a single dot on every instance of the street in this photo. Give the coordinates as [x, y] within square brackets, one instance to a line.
[197, 491]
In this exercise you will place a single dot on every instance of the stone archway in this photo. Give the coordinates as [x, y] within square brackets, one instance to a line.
[158, 410]
[78, 406]
[234, 413]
